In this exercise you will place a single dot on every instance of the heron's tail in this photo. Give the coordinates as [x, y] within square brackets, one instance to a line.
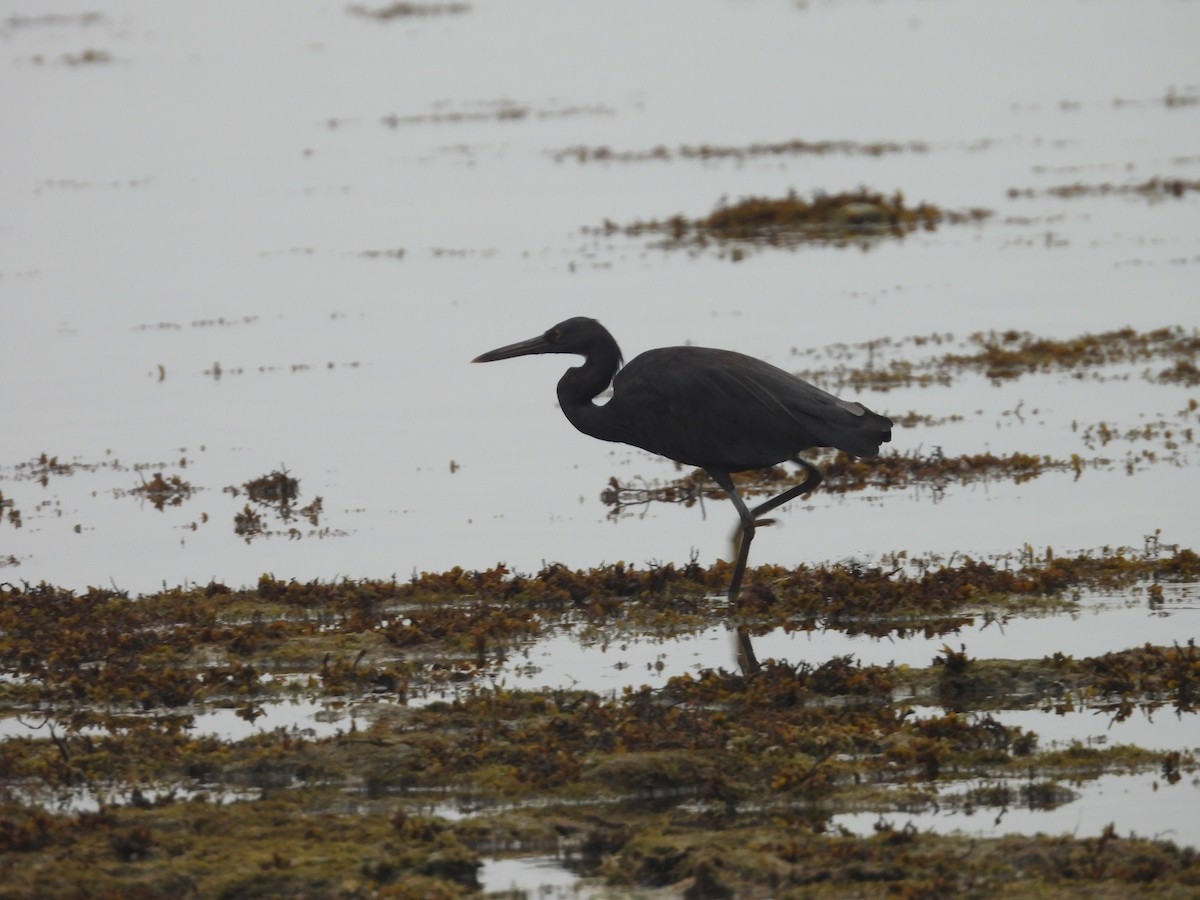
[858, 434]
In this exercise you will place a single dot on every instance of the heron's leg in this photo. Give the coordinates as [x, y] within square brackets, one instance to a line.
[750, 518]
[745, 532]
[746, 658]
[809, 483]
[743, 649]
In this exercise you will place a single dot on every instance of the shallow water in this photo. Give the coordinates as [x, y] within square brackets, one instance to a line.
[162, 222]
[539, 876]
[219, 258]
[1142, 804]
[1097, 626]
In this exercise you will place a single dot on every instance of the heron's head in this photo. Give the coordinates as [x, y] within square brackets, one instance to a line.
[579, 335]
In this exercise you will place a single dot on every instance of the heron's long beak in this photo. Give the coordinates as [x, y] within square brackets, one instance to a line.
[538, 344]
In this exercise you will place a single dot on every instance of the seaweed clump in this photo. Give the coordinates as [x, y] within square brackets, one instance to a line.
[1002, 356]
[712, 152]
[845, 474]
[1152, 189]
[408, 10]
[276, 493]
[788, 221]
[163, 492]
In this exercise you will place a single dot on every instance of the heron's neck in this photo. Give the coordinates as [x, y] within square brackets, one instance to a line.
[580, 385]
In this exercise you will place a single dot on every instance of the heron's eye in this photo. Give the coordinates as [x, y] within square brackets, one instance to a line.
[553, 334]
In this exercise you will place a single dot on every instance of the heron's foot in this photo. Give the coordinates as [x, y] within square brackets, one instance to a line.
[758, 523]
[743, 531]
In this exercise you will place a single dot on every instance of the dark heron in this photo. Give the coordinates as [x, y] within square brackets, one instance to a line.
[721, 411]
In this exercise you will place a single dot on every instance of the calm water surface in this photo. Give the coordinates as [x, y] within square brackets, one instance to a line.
[242, 238]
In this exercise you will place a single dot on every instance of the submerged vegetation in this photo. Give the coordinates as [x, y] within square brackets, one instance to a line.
[853, 216]
[408, 10]
[163, 492]
[934, 471]
[1008, 355]
[717, 783]
[711, 152]
[1151, 189]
